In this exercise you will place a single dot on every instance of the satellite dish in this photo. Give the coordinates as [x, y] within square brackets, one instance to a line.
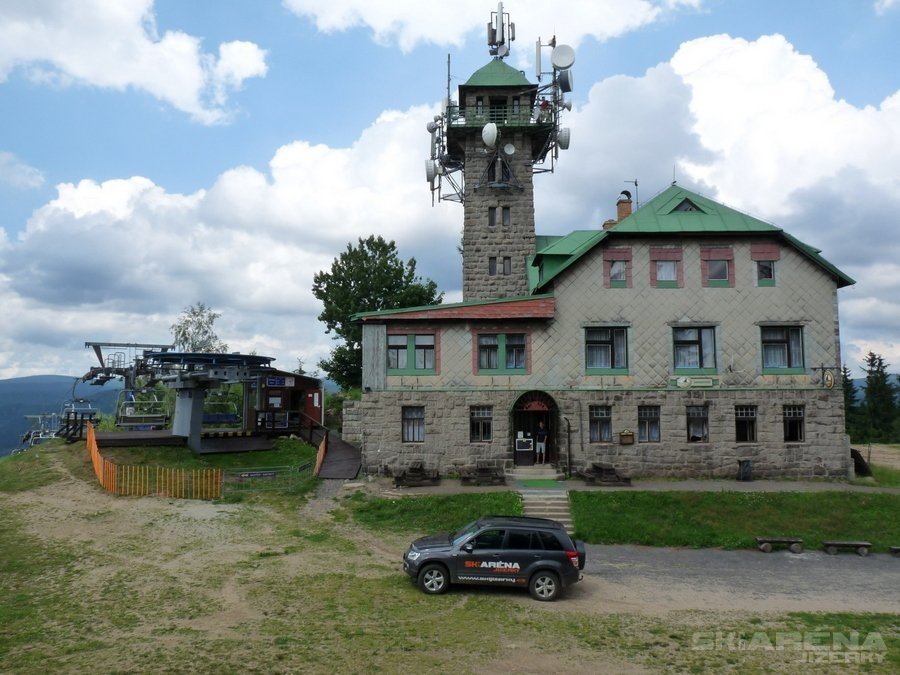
[563, 136]
[565, 81]
[509, 149]
[489, 134]
[432, 127]
[566, 103]
[562, 57]
[431, 170]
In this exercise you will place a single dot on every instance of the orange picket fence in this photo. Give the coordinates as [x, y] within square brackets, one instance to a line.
[157, 481]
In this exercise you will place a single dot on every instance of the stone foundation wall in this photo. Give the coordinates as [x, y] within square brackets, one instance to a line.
[374, 425]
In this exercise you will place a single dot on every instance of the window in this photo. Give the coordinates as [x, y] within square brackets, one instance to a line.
[507, 265]
[745, 423]
[410, 353]
[606, 349]
[502, 352]
[782, 348]
[765, 255]
[697, 423]
[648, 424]
[666, 270]
[717, 270]
[695, 348]
[499, 168]
[765, 272]
[617, 268]
[515, 351]
[601, 423]
[717, 267]
[665, 267]
[492, 266]
[506, 216]
[413, 430]
[480, 423]
[424, 348]
[488, 348]
[397, 351]
[492, 216]
[479, 105]
[793, 423]
[489, 539]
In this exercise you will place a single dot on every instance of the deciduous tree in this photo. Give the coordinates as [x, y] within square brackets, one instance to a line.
[194, 331]
[364, 278]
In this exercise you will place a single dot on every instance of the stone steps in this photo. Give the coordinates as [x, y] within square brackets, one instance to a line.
[553, 504]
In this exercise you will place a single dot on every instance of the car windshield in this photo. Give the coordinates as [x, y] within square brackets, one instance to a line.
[463, 534]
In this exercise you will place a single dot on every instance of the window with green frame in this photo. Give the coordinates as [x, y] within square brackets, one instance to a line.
[606, 351]
[695, 350]
[410, 354]
[502, 353]
[782, 350]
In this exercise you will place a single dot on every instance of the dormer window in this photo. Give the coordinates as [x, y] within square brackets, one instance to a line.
[687, 205]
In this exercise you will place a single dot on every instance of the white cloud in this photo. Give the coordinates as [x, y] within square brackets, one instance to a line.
[17, 173]
[884, 6]
[116, 46]
[770, 118]
[411, 22]
[119, 259]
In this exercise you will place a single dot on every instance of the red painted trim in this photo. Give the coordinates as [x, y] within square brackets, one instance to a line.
[720, 253]
[539, 308]
[765, 252]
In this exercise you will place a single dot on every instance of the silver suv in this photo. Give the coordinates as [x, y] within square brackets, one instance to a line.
[498, 551]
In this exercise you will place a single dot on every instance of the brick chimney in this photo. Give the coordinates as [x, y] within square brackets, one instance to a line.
[623, 206]
[609, 224]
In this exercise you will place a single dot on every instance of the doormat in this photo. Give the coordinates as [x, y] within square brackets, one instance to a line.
[540, 483]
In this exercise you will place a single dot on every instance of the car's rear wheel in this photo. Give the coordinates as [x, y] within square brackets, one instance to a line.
[544, 586]
[433, 579]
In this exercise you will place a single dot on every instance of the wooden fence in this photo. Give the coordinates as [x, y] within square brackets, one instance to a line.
[157, 481]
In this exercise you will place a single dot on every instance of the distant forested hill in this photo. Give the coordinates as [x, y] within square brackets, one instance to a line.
[39, 394]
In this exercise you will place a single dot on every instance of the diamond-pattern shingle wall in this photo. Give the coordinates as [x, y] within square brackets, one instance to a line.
[804, 295]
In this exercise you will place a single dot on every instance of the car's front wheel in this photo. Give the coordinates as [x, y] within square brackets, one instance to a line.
[544, 586]
[434, 579]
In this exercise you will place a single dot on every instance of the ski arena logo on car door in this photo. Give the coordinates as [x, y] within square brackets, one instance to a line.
[496, 566]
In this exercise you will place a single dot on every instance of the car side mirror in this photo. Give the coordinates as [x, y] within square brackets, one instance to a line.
[468, 548]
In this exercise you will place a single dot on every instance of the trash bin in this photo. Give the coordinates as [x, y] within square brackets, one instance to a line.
[745, 470]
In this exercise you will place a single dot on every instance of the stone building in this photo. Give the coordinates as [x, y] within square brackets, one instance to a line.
[677, 340]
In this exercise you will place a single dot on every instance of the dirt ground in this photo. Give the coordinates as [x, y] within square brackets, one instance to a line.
[174, 545]
[880, 455]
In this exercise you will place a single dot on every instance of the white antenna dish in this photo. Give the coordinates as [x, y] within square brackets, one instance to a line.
[566, 82]
[432, 127]
[431, 170]
[562, 57]
[509, 149]
[489, 134]
[537, 59]
[566, 103]
[563, 137]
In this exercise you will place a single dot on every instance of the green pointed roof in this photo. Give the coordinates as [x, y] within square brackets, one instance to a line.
[673, 211]
[497, 73]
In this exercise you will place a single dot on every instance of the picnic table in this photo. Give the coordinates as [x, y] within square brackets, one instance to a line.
[416, 474]
[601, 472]
[483, 473]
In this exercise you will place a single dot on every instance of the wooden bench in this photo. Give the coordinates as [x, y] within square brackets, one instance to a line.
[765, 544]
[481, 474]
[416, 475]
[832, 547]
[600, 472]
[895, 551]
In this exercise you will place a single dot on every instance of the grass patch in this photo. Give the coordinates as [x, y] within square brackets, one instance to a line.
[28, 470]
[285, 452]
[430, 513]
[732, 519]
[886, 476]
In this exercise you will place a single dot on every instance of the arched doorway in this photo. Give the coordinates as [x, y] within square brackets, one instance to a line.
[528, 412]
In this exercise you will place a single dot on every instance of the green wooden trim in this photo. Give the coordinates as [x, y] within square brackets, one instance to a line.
[503, 371]
[718, 283]
[606, 371]
[784, 371]
[617, 283]
[411, 371]
[765, 283]
[667, 284]
[696, 371]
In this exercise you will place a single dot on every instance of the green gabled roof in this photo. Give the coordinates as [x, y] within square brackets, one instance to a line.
[662, 215]
[497, 73]
[673, 211]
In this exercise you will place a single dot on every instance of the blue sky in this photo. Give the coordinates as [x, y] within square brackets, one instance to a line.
[157, 154]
